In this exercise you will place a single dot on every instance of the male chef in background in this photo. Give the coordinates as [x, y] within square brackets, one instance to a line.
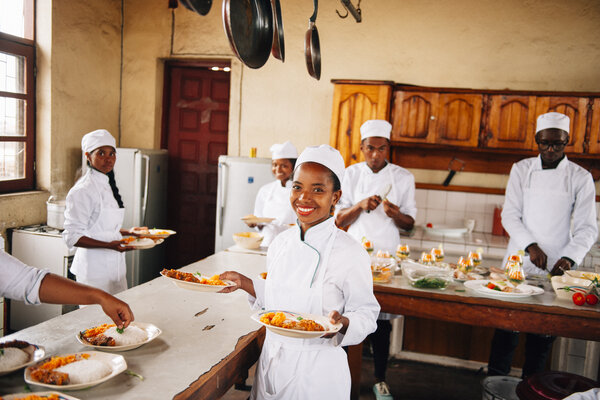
[378, 201]
[550, 212]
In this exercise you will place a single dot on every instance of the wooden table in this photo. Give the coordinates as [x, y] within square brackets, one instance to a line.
[542, 314]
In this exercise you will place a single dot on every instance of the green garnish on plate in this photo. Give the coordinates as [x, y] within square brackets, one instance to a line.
[120, 330]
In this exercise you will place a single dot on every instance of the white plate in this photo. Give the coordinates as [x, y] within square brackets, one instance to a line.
[324, 321]
[154, 233]
[35, 352]
[116, 362]
[143, 243]
[257, 220]
[60, 395]
[199, 287]
[480, 287]
[151, 330]
[446, 230]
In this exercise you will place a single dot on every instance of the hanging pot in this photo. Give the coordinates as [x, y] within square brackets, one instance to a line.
[202, 7]
[249, 28]
[278, 49]
[312, 46]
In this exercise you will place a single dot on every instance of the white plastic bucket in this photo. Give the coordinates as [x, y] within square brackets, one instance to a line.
[500, 388]
[55, 213]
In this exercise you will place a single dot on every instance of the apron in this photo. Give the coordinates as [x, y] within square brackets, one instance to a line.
[288, 367]
[547, 208]
[103, 268]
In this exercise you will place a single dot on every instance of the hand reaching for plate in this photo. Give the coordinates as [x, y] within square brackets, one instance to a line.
[336, 318]
[241, 282]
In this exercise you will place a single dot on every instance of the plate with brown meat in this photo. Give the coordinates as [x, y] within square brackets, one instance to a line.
[196, 281]
[296, 325]
[38, 396]
[108, 337]
[75, 371]
[17, 354]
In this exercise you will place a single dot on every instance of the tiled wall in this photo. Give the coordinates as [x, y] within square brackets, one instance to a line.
[452, 208]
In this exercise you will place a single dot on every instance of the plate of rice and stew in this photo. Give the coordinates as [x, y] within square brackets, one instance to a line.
[38, 396]
[17, 354]
[196, 281]
[110, 338]
[296, 325]
[75, 371]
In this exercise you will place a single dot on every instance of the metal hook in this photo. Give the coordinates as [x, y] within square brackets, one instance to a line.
[350, 9]
[342, 16]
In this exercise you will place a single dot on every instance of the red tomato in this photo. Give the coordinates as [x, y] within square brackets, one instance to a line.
[591, 299]
[429, 225]
[579, 299]
[491, 285]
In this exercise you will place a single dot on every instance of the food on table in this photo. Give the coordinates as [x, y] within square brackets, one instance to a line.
[469, 276]
[367, 244]
[502, 286]
[34, 396]
[476, 256]
[383, 254]
[427, 259]
[578, 298]
[515, 272]
[280, 320]
[189, 277]
[438, 254]
[429, 225]
[431, 283]
[71, 369]
[12, 355]
[402, 252]
[591, 299]
[518, 258]
[263, 275]
[465, 265]
[110, 335]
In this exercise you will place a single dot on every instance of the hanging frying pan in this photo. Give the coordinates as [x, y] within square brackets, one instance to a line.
[249, 28]
[278, 49]
[312, 47]
[202, 7]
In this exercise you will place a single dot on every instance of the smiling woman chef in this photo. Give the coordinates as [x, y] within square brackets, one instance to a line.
[273, 199]
[318, 269]
[93, 218]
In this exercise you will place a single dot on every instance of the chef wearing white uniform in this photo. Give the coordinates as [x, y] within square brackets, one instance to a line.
[34, 286]
[378, 201]
[550, 212]
[93, 218]
[273, 199]
[318, 269]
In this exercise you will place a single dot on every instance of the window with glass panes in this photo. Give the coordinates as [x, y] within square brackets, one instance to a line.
[17, 95]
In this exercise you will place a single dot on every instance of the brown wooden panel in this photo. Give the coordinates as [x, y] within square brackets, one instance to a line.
[459, 119]
[576, 108]
[414, 116]
[511, 122]
[594, 142]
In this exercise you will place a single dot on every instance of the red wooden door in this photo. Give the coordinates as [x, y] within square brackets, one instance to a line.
[196, 134]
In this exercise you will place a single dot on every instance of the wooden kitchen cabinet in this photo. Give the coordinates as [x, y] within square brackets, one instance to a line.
[510, 122]
[442, 118]
[576, 108]
[353, 104]
[594, 141]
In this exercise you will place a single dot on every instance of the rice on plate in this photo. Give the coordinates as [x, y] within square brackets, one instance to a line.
[11, 358]
[131, 335]
[84, 371]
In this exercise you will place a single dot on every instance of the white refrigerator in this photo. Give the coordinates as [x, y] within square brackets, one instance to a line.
[239, 179]
[141, 176]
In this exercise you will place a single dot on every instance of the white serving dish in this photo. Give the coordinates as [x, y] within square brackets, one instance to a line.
[294, 333]
[248, 240]
[151, 330]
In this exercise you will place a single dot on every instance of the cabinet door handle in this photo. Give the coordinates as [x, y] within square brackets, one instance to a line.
[432, 117]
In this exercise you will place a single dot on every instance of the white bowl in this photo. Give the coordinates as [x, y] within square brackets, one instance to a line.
[565, 286]
[248, 240]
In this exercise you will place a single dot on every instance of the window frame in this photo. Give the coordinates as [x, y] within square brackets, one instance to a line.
[25, 48]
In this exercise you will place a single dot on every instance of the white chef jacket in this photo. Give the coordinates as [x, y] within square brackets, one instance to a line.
[361, 182]
[273, 201]
[554, 207]
[92, 211]
[314, 368]
[19, 281]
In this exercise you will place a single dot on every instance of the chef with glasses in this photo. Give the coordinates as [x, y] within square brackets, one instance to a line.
[550, 213]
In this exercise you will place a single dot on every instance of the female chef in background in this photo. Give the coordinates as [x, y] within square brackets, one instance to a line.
[273, 199]
[93, 217]
[312, 268]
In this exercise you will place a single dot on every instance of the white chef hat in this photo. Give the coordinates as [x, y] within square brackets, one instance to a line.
[553, 120]
[283, 150]
[375, 128]
[98, 138]
[326, 156]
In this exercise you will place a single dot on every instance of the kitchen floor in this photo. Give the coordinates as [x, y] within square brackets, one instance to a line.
[410, 380]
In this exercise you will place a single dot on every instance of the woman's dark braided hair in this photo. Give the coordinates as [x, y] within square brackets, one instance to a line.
[113, 185]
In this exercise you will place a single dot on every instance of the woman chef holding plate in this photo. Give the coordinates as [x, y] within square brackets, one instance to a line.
[93, 217]
[312, 268]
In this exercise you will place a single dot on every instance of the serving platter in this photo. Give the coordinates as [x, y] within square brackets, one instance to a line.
[115, 362]
[15, 396]
[479, 286]
[151, 330]
[199, 287]
[294, 333]
[35, 352]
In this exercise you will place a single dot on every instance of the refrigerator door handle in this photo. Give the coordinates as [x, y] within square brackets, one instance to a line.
[146, 184]
[223, 186]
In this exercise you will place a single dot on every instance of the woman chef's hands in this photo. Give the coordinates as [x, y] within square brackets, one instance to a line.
[540, 259]
[241, 282]
[116, 309]
[335, 318]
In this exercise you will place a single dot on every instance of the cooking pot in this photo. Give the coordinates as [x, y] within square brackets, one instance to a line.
[55, 213]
